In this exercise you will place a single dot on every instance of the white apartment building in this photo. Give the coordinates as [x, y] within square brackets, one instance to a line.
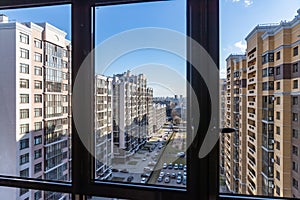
[103, 126]
[159, 116]
[129, 113]
[35, 119]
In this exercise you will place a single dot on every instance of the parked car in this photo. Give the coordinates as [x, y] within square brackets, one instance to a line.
[181, 154]
[143, 180]
[124, 171]
[165, 166]
[179, 180]
[180, 166]
[173, 175]
[130, 178]
[170, 166]
[159, 179]
[145, 175]
[162, 174]
[167, 180]
[176, 166]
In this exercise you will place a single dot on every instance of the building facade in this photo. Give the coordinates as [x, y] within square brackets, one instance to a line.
[272, 110]
[129, 113]
[35, 119]
[103, 126]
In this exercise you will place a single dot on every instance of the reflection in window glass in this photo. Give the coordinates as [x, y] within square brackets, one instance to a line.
[35, 139]
[254, 160]
[140, 107]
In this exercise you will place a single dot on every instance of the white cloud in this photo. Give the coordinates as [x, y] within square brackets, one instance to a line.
[241, 46]
[248, 2]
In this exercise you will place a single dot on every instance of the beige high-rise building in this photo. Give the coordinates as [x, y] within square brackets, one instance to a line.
[269, 113]
[35, 105]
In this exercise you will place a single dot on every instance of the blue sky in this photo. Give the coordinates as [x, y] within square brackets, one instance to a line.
[237, 19]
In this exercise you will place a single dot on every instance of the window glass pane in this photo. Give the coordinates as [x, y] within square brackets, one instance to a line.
[260, 157]
[140, 98]
[35, 140]
[26, 194]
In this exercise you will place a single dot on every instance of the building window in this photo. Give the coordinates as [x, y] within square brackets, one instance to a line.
[24, 173]
[278, 175]
[277, 160]
[65, 64]
[38, 85]
[295, 117]
[37, 57]
[24, 53]
[37, 153]
[295, 166]
[295, 183]
[24, 98]
[295, 84]
[295, 100]
[37, 195]
[24, 68]
[65, 87]
[24, 128]
[295, 51]
[24, 38]
[37, 71]
[277, 70]
[278, 115]
[277, 130]
[277, 145]
[65, 109]
[37, 43]
[37, 168]
[278, 100]
[295, 150]
[24, 113]
[278, 85]
[24, 159]
[65, 98]
[24, 143]
[295, 67]
[278, 55]
[295, 133]
[277, 190]
[38, 112]
[37, 140]
[38, 98]
[23, 191]
[37, 126]
[24, 83]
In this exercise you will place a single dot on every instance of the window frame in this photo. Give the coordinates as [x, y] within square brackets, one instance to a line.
[201, 15]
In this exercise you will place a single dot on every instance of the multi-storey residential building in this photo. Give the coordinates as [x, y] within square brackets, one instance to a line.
[222, 103]
[150, 117]
[103, 126]
[235, 112]
[129, 113]
[272, 110]
[35, 119]
[159, 116]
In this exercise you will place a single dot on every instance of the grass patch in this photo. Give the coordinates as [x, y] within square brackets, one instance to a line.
[132, 163]
[117, 179]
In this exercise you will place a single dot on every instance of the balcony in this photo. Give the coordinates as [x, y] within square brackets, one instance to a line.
[251, 115]
[252, 104]
[252, 128]
[251, 69]
[251, 139]
[251, 151]
[252, 81]
[251, 92]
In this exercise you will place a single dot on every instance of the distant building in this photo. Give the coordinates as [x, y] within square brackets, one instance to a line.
[130, 115]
